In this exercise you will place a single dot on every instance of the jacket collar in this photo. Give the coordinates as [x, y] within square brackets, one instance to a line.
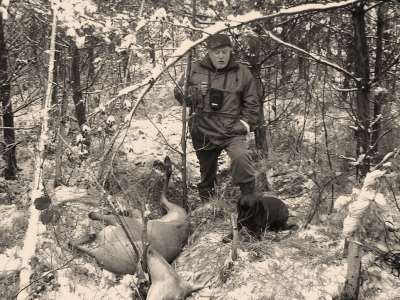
[206, 63]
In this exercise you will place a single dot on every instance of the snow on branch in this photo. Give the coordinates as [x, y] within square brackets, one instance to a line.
[188, 45]
[365, 198]
[232, 22]
[360, 200]
[385, 161]
[3, 9]
[34, 226]
[315, 57]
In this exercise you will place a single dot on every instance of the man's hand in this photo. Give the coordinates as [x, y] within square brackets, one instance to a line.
[241, 128]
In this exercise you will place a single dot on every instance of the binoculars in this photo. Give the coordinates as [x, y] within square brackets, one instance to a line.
[216, 99]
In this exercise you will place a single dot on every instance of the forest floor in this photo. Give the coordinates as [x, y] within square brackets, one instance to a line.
[306, 263]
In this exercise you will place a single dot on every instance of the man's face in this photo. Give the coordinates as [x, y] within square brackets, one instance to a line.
[220, 56]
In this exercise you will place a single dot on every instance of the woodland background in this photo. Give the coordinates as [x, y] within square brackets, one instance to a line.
[86, 91]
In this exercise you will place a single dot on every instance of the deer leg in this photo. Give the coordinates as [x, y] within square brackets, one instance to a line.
[83, 249]
[85, 239]
[107, 219]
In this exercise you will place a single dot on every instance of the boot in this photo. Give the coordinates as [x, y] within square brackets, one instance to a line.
[246, 202]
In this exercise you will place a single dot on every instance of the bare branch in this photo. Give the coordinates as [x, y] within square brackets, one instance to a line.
[218, 27]
[315, 57]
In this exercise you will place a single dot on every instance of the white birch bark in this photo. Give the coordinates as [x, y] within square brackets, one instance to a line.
[34, 225]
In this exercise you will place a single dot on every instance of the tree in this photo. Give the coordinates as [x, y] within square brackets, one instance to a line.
[361, 68]
[8, 118]
[38, 193]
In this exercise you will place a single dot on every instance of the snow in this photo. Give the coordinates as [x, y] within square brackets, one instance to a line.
[4, 13]
[380, 90]
[296, 267]
[219, 27]
[380, 200]
[127, 41]
[305, 265]
[372, 177]
[8, 215]
[72, 291]
[311, 233]
[160, 135]
[342, 201]
[362, 200]
[10, 260]
[160, 13]
[5, 3]
[3, 9]
[68, 194]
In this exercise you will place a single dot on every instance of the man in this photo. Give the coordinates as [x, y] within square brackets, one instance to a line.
[224, 109]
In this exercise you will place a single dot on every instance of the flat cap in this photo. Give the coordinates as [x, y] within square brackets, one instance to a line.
[218, 40]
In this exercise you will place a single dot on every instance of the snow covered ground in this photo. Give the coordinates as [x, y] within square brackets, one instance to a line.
[304, 264]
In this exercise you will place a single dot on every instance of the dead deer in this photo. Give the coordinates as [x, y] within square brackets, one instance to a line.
[165, 282]
[114, 251]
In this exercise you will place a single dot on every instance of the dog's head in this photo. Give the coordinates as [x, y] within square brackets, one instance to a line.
[248, 200]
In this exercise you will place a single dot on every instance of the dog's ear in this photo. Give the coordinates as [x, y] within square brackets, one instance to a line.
[248, 200]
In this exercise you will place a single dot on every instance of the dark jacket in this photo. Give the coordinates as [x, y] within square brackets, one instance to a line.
[240, 99]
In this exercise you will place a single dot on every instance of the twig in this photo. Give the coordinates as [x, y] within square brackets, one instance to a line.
[48, 272]
[313, 56]
[166, 143]
[235, 237]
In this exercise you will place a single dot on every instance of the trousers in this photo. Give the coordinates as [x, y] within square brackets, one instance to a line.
[242, 168]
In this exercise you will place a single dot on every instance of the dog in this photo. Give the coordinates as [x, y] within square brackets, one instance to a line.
[260, 212]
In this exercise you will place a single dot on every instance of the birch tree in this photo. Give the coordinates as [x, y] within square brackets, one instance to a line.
[38, 193]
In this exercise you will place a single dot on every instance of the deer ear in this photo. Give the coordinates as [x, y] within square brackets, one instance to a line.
[168, 165]
[167, 161]
[42, 202]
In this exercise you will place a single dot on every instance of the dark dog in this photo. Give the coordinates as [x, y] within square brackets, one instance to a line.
[259, 212]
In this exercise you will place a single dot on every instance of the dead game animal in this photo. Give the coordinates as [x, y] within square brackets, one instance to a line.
[165, 282]
[114, 251]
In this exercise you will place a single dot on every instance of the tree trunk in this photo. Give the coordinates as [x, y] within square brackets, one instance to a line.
[184, 119]
[254, 46]
[58, 178]
[8, 117]
[35, 35]
[34, 226]
[260, 134]
[361, 70]
[352, 284]
[153, 54]
[91, 58]
[80, 109]
[125, 65]
[348, 48]
[376, 127]
[55, 72]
